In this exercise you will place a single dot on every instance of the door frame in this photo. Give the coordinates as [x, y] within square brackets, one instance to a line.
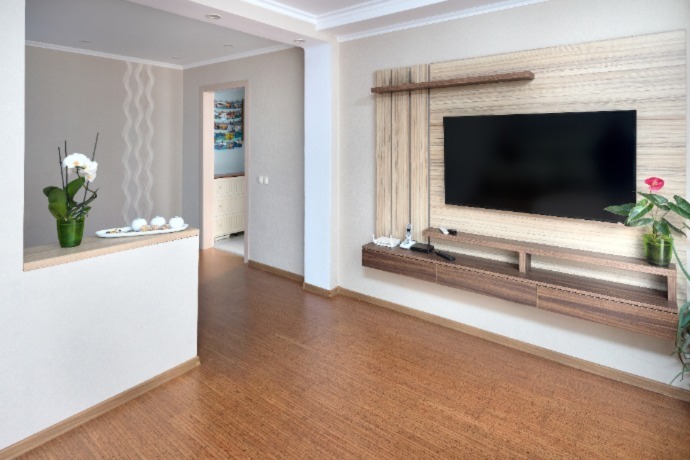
[207, 198]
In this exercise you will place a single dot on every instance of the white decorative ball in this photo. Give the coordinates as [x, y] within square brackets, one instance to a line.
[158, 220]
[138, 223]
[176, 222]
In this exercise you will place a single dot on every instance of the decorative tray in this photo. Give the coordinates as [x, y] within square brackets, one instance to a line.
[127, 231]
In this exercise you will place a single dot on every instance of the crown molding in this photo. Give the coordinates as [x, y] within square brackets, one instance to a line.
[466, 13]
[286, 10]
[117, 57]
[368, 10]
[270, 49]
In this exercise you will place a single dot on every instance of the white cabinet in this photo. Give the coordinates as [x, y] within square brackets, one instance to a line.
[229, 195]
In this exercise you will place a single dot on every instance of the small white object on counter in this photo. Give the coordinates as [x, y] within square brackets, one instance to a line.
[138, 223]
[176, 222]
[158, 220]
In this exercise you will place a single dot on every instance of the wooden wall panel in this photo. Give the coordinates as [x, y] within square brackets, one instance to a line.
[419, 153]
[383, 156]
[401, 154]
[644, 73]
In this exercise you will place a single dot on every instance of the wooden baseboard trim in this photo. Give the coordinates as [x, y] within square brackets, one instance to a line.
[593, 368]
[74, 421]
[276, 271]
[321, 291]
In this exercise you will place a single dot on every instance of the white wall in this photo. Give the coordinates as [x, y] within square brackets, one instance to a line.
[275, 142]
[72, 97]
[75, 337]
[557, 22]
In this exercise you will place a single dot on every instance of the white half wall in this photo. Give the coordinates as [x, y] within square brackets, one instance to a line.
[547, 24]
[71, 336]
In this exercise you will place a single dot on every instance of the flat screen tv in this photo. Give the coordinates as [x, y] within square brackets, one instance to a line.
[554, 164]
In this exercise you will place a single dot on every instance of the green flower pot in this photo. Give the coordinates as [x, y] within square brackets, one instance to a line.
[70, 232]
[658, 250]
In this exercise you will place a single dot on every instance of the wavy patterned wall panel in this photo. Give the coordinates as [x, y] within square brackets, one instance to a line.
[137, 133]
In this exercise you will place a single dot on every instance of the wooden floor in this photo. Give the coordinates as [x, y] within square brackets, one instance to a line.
[291, 375]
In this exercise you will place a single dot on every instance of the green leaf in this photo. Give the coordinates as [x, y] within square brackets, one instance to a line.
[57, 203]
[47, 190]
[74, 186]
[639, 222]
[673, 227]
[660, 226]
[658, 200]
[638, 211]
[682, 203]
[678, 210]
[621, 210]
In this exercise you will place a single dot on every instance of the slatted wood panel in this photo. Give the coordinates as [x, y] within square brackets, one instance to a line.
[401, 154]
[644, 73]
[419, 153]
[383, 156]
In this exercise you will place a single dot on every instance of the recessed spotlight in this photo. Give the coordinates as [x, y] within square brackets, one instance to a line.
[299, 40]
[229, 45]
[176, 57]
[213, 16]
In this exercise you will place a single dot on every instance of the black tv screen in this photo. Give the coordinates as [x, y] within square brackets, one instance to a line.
[553, 164]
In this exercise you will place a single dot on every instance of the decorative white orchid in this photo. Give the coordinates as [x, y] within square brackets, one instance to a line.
[90, 171]
[76, 160]
[63, 202]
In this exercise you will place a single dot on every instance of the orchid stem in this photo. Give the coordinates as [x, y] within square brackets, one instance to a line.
[62, 178]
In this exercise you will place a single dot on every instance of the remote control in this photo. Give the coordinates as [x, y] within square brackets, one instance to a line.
[446, 256]
[444, 230]
[452, 231]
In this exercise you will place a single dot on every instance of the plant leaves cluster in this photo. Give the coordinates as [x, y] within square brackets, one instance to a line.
[652, 210]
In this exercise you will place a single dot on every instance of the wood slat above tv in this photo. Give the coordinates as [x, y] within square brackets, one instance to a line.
[465, 81]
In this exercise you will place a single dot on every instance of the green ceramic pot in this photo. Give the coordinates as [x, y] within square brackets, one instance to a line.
[658, 251]
[70, 232]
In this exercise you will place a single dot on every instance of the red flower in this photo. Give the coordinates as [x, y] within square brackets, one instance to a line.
[655, 183]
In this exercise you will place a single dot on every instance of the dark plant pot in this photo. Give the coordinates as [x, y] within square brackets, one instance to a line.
[70, 232]
[658, 250]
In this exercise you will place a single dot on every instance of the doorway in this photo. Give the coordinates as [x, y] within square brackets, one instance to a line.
[225, 150]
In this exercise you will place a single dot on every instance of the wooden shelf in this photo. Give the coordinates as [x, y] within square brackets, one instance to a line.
[526, 250]
[476, 80]
[644, 310]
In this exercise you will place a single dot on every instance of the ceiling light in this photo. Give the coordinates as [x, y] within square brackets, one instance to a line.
[229, 45]
[299, 40]
[84, 41]
[176, 57]
[213, 16]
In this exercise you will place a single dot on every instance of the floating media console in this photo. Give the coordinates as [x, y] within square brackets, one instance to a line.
[639, 309]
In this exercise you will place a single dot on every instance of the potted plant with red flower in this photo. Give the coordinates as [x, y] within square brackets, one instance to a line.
[652, 210]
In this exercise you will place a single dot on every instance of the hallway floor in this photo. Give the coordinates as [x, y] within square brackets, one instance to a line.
[233, 244]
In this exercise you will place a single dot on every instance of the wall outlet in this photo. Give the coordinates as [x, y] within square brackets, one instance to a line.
[266, 180]
[261, 179]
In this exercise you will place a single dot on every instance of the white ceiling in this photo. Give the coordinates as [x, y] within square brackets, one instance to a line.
[177, 33]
